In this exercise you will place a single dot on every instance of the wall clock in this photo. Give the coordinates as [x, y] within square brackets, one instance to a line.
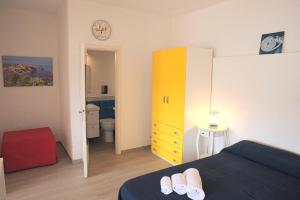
[101, 30]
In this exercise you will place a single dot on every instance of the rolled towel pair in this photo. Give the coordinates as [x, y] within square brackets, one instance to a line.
[176, 183]
[188, 183]
[194, 184]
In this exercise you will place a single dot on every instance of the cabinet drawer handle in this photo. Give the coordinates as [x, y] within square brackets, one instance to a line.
[176, 133]
[154, 124]
[154, 149]
[175, 142]
[154, 141]
[175, 151]
[174, 160]
[154, 133]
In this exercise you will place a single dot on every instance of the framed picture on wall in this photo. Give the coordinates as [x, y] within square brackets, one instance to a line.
[271, 43]
[27, 71]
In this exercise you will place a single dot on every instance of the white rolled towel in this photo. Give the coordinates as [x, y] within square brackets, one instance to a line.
[194, 184]
[179, 183]
[166, 185]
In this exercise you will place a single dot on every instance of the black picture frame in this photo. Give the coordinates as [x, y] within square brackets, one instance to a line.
[271, 43]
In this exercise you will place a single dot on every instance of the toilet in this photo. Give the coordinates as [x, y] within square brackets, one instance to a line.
[107, 129]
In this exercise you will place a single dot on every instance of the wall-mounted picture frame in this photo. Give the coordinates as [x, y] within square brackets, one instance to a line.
[271, 43]
[21, 71]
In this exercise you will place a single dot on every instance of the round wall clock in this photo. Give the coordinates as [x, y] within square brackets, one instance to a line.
[101, 30]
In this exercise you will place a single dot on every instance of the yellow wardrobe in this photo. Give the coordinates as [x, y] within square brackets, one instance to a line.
[181, 90]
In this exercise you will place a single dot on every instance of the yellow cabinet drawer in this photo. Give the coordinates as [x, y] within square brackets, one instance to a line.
[166, 155]
[167, 147]
[172, 131]
[173, 141]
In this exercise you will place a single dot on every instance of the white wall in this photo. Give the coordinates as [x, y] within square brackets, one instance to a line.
[63, 60]
[29, 33]
[137, 34]
[257, 96]
[234, 27]
[101, 71]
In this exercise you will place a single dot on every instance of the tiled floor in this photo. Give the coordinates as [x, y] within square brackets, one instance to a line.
[64, 181]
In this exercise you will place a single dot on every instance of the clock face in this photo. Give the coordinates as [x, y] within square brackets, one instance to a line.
[101, 30]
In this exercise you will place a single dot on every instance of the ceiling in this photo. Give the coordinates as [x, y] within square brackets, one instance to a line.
[166, 7]
[50, 6]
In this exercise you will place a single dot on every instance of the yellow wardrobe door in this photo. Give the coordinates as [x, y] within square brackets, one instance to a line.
[158, 87]
[175, 86]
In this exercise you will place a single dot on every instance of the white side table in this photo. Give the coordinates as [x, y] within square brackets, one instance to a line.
[210, 133]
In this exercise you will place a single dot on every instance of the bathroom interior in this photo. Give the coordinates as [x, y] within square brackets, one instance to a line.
[100, 106]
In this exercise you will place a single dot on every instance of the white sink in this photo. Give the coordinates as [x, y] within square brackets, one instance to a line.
[100, 98]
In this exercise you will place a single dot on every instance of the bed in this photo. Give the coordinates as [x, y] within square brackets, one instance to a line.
[243, 171]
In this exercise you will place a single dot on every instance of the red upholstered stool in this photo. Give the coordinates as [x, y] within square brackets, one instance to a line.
[28, 148]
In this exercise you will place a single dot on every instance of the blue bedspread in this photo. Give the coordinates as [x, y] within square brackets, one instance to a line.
[244, 171]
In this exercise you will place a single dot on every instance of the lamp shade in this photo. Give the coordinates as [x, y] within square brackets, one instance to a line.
[213, 120]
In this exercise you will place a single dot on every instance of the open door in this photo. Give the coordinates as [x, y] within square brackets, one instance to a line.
[85, 142]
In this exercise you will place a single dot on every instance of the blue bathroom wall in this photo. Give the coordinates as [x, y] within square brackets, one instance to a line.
[106, 108]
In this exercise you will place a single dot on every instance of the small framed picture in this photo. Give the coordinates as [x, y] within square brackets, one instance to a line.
[27, 71]
[271, 43]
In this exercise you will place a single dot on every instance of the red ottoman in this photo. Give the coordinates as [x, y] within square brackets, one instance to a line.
[28, 148]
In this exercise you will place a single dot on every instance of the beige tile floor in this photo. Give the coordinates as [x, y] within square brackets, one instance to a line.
[64, 181]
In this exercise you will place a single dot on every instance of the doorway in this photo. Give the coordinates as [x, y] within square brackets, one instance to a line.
[100, 100]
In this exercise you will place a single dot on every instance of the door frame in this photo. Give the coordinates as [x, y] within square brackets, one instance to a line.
[117, 50]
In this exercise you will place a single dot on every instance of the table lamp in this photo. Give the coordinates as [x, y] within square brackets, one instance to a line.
[213, 120]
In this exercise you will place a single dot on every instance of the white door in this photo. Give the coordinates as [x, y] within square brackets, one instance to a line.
[85, 142]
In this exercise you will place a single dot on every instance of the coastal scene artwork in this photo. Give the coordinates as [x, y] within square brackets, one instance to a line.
[27, 71]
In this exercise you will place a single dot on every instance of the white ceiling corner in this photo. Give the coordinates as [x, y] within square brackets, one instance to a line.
[165, 7]
[50, 6]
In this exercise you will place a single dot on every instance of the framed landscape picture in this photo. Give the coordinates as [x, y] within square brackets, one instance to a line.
[271, 43]
[27, 71]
